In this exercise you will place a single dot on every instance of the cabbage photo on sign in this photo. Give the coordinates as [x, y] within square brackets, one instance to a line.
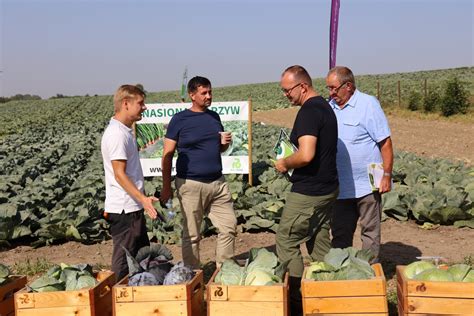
[240, 143]
[284, 148]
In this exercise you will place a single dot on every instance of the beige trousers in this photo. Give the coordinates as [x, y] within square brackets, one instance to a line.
[214, 200]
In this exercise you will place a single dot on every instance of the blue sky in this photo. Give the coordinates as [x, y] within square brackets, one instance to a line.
[75, 47]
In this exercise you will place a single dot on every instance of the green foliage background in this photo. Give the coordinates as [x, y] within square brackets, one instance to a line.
[51, 185]
[267, 96]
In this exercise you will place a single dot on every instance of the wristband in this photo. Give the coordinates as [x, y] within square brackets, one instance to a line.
[387, 174]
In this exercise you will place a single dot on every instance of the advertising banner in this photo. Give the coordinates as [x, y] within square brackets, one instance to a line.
[151, 129]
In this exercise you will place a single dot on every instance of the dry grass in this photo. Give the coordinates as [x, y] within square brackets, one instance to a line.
[401, 112]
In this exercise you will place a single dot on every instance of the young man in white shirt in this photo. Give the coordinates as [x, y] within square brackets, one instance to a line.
[125, 201]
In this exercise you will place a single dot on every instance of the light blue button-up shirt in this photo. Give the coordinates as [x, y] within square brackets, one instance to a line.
[361, 126]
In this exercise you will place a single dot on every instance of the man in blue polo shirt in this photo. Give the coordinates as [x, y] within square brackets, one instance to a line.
[364, 138]
[199, 136]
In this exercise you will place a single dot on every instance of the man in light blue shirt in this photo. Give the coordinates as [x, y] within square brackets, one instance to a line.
[364, 138]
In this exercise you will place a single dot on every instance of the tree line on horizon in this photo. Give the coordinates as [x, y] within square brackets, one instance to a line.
[29, 97]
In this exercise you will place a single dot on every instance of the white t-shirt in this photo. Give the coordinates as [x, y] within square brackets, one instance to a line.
[118, 143]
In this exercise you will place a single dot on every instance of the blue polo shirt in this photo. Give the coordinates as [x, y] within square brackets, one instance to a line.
[198, 143]
[361, 126]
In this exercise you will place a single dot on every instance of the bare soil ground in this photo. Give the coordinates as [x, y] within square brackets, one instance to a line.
[402, 242]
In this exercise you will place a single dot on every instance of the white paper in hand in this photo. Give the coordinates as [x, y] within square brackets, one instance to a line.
[375, 173]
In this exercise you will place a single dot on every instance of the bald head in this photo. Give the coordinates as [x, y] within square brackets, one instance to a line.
[299, 74]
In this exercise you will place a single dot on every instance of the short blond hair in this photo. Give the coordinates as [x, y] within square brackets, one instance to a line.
[126, 92]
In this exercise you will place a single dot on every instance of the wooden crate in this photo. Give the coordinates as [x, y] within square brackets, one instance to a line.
[433, 297]
[237, 300]
[351, 297]
[163, 300]
[7, 290]
[96, 301]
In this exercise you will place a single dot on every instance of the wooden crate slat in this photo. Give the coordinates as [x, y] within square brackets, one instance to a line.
[439, 305]
[247, 300]
[182, 299]
[7, 290]
[60, 299]
[197, 300]
[430, 314]
[248, 293]
[348, 314]
[346, 296]
[179, 292]
[270, 293]
[343, 288]
[97, 300]
[166, 293]
[441, 289]
[338, 288]
[231, 308]
[401, 298]
[433, 297]
[346, 305]
[161, 308]
[56, 311]
[101, 295]
[436, 288]
[15, 283]
[7, 308]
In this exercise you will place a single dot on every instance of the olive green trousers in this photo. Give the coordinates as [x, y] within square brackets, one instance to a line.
[305, 219]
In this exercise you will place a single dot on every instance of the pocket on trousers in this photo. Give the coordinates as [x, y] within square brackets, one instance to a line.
[119, 223]
[300, 226]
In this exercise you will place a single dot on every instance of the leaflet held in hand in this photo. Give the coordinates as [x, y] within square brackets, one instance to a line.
[375, 172]
[284, 148]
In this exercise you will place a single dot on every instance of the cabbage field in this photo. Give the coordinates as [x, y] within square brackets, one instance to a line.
[51, 186]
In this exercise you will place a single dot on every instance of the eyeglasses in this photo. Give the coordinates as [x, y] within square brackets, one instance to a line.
[336, 89]
[288, 91]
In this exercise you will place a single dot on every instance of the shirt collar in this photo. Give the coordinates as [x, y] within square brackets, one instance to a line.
[351, 102]
[120, 124]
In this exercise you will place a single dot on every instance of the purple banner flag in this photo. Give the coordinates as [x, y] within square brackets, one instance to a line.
[335, 4]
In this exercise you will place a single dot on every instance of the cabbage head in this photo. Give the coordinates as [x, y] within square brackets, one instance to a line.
[342, 264]
[160, 270]
[316, 267]
[358, 269]
[262, 259]
[417, 267]
[85, 282]
[65, 277]
[230, 273]
[178, 274]
[143, 278]
[326, 275]
[459, 271]
[46, 283]
[262, 268]
[337, 257]
[434, 274]
[55, 271]
[261, 277]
